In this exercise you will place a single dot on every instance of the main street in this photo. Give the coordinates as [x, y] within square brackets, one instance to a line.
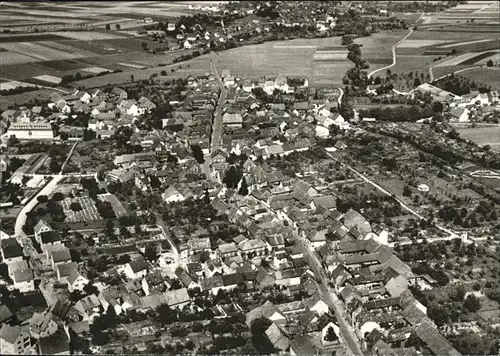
[346, 330]
[217, 120]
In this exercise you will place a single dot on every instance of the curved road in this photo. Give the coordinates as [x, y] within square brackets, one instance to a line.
[386, 192]
[394, 50]
[457, 71]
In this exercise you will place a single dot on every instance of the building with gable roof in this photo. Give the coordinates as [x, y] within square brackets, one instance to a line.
[14, 340]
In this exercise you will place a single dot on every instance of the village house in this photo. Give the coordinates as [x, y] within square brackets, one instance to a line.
[12, 251]
[136, 269]
[76, 282]
[14, 340]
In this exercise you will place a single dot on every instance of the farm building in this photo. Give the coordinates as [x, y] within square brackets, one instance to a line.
[31, 131]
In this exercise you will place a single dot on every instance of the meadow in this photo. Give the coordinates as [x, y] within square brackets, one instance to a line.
[486, 76]
[489, 135]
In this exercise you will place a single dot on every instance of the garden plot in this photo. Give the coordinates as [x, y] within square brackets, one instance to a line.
[458, 59]
[88, 213]
[494, 57]
[330, 56]
[420, 43]
[8, 57]
[68, 48]
[96, 70]
[48, 78]
[39, 51]
[118, 207]
[465, 43]
[14, 84]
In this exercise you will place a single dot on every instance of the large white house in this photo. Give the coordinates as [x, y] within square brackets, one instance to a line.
[31, 131]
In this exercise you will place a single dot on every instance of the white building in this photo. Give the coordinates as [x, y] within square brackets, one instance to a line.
[13, 340]
[24, 280]
[31, 131]
[76, 281]
[136, 269]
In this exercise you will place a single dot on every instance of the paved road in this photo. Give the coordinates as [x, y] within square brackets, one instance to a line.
[21, 217]
[346, 330]
[162, 226]
[446, 75]
[67, 158]
[339, 100]
[386, 192]
[217, 120]
[394, 50]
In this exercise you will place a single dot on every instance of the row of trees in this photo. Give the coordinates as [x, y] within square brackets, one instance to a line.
[18, 90]
[459, 85]
[398, 114]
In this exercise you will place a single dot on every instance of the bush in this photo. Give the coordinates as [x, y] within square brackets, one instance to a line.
[75, 206]
[472, 303]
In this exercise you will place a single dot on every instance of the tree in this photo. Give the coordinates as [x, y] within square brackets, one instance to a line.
[406, 191]
[89, 288]
[12, 141]
[437, 107]
[204, 256]
[75, 206]
[144, 46]
[347, 40]
[198, 154]
[150, 253]
[123, 259]
[165, 315]
[58, 196]
[232, 177]
[259, 339]
[330, 335]
[244, 188]
[458, 294]
[54, 166]
[118, 27]
[42, 199]
[472, 303]
[489, 63]
[108, 27]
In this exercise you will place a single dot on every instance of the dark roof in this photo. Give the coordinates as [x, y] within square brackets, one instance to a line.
[138, 265]
[12, 250]
[434, 340]
[54, 344]
[232, 279]
[50, 236]
[5, 313]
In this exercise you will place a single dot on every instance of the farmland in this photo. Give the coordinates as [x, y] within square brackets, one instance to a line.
[458, 38]
[483, 136]
[486, 76]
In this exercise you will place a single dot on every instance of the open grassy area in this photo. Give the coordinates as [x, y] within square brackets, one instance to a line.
[483, 135]
[486, 76]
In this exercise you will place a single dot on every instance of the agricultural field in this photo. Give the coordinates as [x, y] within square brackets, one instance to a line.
[464, 36]
[23, 98]
[484, 75]
[483, 136]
